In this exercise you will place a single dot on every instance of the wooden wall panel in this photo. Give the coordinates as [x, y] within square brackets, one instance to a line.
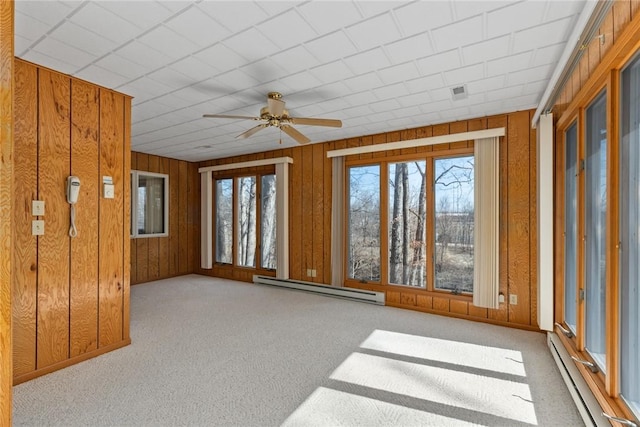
[183, 197]
[84, 247]
[318, 215]
[111, 270]
[164, 242]
[174, 227]
[25, 245]
[153, 243]
[53, 246]
[306, 230]
[132, 242]
[6, 204]
[296, 264]
[126, 221]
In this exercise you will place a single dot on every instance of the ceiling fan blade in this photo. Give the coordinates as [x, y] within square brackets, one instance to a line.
[251, 131]
[293, 133]
[276, 107]
[315, 122]
[222, 116]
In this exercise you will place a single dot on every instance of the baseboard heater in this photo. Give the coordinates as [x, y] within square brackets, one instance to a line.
[352, 294]
[585, 401]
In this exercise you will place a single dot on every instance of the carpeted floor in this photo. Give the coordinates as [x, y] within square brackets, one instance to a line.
[216, 352]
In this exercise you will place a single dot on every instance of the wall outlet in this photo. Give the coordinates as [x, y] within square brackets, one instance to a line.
[109, 191]
[37, 207]
[37, 227]
[501, 298]
[513, 299]
[311, 272]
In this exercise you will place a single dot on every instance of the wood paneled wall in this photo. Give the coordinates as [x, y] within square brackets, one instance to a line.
[70, 295]
[619, 16]
[310, 217]
[6, 205]
[154, 258]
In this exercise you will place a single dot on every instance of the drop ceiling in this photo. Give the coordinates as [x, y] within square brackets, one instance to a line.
[376, 65]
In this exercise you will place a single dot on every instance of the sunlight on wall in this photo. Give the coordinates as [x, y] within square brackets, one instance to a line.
[414, 380]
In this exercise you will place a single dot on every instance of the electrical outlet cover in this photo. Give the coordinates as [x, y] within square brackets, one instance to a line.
[37, 227]
[37, 207]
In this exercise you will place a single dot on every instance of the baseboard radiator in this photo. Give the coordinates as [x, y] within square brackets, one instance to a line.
[352, 294]
[585, 401]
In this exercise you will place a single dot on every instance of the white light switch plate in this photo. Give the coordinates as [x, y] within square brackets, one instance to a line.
[37, 227]
[109, 191]
[37, 207]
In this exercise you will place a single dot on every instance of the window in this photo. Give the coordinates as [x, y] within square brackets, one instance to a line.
[245, 221]
[630, 236]
[150, 204]
[424, 208]
[364, 223]
[454, 224]
[570, 226]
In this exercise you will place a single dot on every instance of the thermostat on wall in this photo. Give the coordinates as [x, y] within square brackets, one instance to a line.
[108, 189]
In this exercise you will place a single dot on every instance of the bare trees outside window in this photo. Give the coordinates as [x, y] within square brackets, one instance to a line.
[364, 223]
[454, 219]
[268, 224]
[247, 221]
[224, 221]
[407, 196]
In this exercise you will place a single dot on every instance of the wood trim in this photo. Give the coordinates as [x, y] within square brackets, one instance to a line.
[6, 205]
[440, 139]
[248, 164]
[126, 206]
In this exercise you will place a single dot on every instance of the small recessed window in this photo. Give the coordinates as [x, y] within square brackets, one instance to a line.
[149, 204]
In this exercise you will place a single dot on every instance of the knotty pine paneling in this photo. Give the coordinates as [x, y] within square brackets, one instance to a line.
[69, 294]
[25, 245]
[54, 125]
[310, 217]
[85, 104]
[163, 257]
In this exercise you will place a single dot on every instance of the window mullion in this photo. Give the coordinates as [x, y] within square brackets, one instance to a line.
[582, 238]
[384, 223]
[430, 224]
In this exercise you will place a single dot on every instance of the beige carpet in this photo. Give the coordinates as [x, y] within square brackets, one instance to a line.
[215, 352]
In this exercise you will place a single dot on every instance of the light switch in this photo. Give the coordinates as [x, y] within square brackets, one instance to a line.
[37, 227]
[37, 207]
[109, 191]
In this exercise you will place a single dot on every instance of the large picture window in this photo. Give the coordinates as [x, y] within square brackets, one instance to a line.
[224, 221]
[150, 204]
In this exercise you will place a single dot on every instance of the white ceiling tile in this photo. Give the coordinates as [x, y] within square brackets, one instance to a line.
[101, 21]
[461, 33]
[198, 27]
[29, 28]
[363, 82]
[173, 6]
[399, 73]
[535, 87]
[50, 12]
[235, 15]
[530, 75]
[514, 17]
[328, 16]
[397, 90]
[119, 65]
[414, 99]
[265, 70]
[373, 59]
[64, 52]
[361, 98]
[295, 59]
[149, 86]
[521, 102]
[236, 80]
[485, 85]
[466, 8]
[437, 106]
[464, 74]
[170, 78]
[54, 63]
[543, 35]
[509, 64]
[173, 45]
[106, 78]
[332, 72]
[143, 55]
[193, 94]
[504, 93]
[331, 47]
[287, 30]
[440, 62]
[142, 14]
[360, 111]
[21, 45]
[371, 8]
[151, 109]
[376, 31]
[562, 9]
[420, 16]
[220, 57]
[194, 68]
[421, 84]
[410, 48]
[548, 54]
[486, 50]
[300, 81]
[251, 45]
[81, 38]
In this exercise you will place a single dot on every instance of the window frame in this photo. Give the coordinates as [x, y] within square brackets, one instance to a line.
[135, 175]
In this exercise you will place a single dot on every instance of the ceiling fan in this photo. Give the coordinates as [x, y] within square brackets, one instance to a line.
[274, 114]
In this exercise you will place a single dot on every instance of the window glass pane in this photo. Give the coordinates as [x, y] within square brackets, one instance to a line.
[570, 226]
[364, 223]
[150, 210]
[407, 186]
[454, 187]
[595, 222]
[224, 221]
[247, 221]
[630, 236]
[268, 223]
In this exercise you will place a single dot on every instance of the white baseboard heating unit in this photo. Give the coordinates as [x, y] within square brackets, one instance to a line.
[361, 295]
[585, 401]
